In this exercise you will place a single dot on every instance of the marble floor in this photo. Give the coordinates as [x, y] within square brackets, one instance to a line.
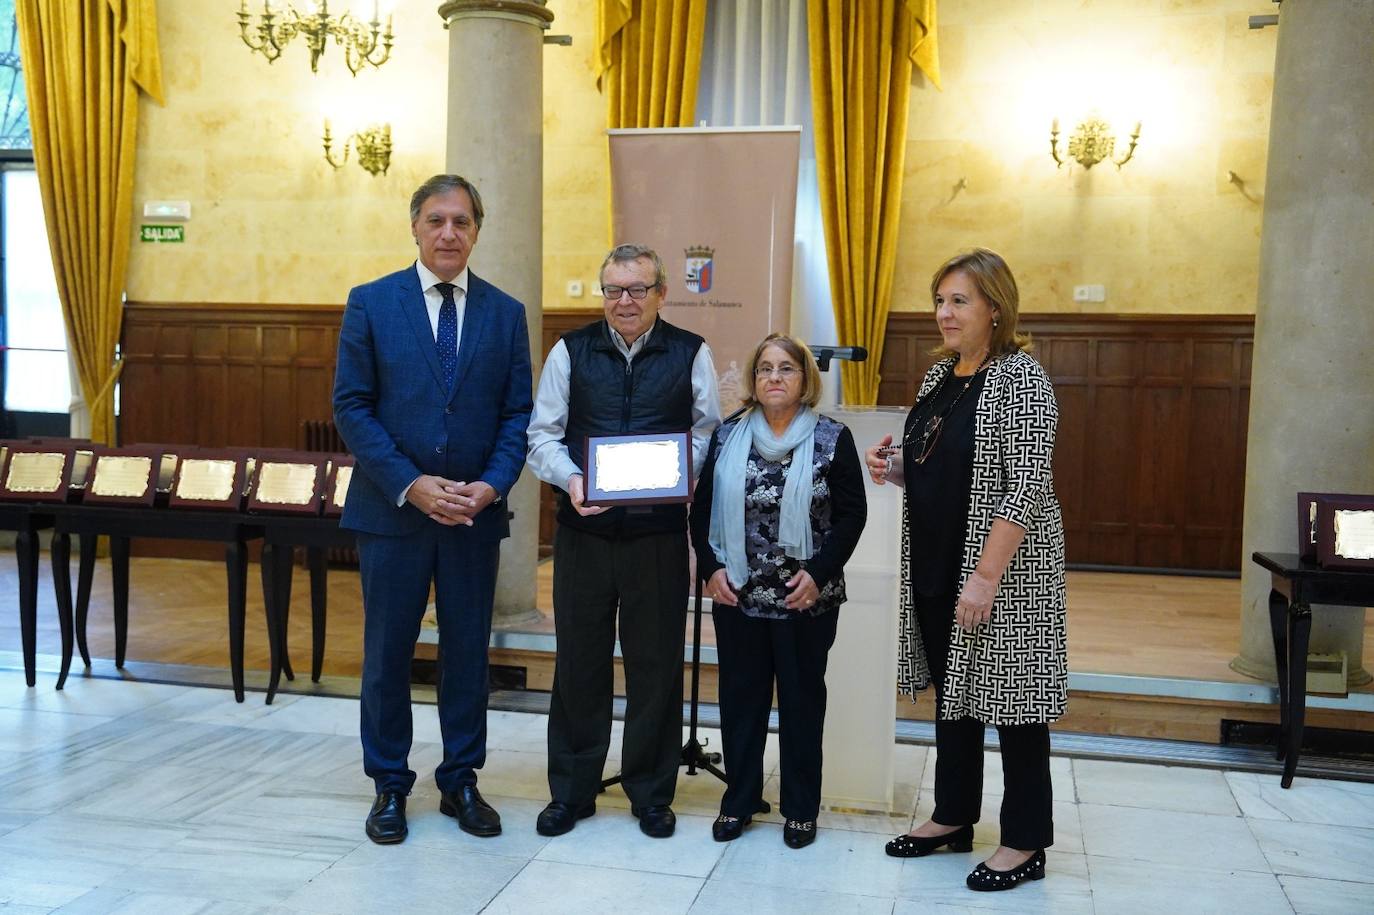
[129, 797]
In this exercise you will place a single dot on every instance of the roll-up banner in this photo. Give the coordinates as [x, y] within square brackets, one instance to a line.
[718, 205]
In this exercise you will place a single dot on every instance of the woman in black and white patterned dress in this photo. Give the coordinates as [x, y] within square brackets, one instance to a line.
[777, 513]
[983, 608]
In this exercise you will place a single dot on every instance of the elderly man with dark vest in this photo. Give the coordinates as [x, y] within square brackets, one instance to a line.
[632, 372]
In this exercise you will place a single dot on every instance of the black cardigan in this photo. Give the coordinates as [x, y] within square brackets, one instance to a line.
[848, 512]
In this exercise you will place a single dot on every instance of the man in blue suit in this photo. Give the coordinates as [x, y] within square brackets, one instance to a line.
[432, 395]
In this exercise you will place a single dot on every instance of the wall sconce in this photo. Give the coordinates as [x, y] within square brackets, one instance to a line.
[363, 43]
[373, 145]
[1090, 143]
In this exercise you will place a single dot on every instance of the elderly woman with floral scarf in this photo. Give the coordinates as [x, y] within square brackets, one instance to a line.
[777, 513]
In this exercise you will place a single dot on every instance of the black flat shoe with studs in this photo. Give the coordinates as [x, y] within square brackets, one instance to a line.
[985, 879]
[799, 833]
[906, 846]
[727, 829]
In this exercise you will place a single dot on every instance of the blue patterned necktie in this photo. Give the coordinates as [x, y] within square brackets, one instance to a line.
[446, 340]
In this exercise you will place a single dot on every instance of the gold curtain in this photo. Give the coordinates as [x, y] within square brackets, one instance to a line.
[649, 60]
[84, 64]
[862, 52]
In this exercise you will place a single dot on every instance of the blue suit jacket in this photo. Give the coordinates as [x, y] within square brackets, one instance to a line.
[392, 409]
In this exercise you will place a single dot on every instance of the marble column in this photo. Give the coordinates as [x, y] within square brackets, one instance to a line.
[495, 140]
[1312, 384]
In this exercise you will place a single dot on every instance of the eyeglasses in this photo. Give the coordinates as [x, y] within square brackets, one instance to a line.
[785, 372]
[611, 293]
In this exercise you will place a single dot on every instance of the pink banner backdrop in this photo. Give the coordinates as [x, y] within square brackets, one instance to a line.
[718, 205]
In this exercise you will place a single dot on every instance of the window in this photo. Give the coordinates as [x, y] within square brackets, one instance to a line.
[37, 379]
[34, 374]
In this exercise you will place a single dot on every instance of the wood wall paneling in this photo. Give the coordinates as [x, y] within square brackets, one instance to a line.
[1149, 461]
[1150, 455]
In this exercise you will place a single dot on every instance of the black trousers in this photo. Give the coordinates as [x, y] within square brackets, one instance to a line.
[753, 654]
[644, 580]
[1027, 818]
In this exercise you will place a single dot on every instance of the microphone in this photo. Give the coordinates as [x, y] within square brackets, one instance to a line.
[824, 354]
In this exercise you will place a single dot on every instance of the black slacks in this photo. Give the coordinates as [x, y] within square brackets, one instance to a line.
[1027, 818]
[754, 654]
[644, 580]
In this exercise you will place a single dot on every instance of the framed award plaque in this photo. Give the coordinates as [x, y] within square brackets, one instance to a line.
[1345, 532]
[652, 469]
[208, 480]
[288, 483]
[336, 490]
[37, 473]
[123, 476]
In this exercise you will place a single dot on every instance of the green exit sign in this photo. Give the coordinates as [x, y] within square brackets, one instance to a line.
[149, 233]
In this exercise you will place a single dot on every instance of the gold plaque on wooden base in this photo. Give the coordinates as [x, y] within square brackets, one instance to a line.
[1345, 532]
[336, 493]
[123, 476]
[208, 480]
[288, 484]
[36, 473]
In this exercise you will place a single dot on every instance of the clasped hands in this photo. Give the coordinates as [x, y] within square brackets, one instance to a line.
[804, 592]
[450, 502]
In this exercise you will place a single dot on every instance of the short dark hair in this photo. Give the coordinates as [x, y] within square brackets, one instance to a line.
[626, 254]
[442, 184]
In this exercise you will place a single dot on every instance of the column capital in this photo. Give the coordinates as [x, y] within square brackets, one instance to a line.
[531, 12]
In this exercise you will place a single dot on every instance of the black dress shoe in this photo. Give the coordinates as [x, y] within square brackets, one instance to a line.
[475, 816]
[985, 879]
[386, 822]
[558, 818]
[905, 846]
[799, 833]
[728, 829]
[657, 822]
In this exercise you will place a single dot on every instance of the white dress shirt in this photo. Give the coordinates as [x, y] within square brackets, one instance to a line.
[548, 456]
[434, 300]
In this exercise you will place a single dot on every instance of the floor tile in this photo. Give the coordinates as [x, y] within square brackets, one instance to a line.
[67, 848]
[938, 880]
[1315, 896]
[1314, 850]
[17, 891]
[839, 861]
[171, 794]
[112, 901]
[29, 730]
[553, 887]
[1336, 803]
[1124, 784]
[1068, 830]
[217, 706]
[339, 717]
[1061, 774]
[1170, 837]
[99, 696]
[1122, 887]
[612, 839]
[518, 838]
[410, 878]
[733, 896]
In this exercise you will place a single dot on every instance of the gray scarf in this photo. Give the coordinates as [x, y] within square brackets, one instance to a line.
[727, 496]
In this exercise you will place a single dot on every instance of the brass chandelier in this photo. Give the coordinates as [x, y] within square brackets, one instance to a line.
[364, 43]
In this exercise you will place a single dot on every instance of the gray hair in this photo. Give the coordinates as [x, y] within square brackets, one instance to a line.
[624, 254]
[442, 184]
